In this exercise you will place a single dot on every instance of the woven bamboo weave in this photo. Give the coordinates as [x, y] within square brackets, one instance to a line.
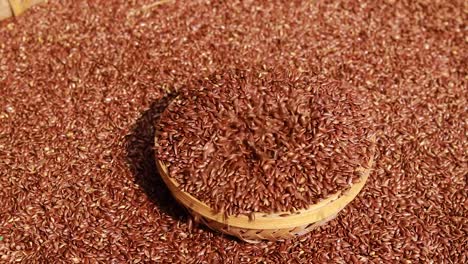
[267, 226]
[9, 8]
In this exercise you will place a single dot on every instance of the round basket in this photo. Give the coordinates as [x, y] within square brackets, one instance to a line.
[267, 226]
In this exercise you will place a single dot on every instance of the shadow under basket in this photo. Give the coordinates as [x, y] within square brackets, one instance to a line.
[268, 226]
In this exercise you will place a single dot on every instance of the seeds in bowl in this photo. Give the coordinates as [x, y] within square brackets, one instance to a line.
[264, 141]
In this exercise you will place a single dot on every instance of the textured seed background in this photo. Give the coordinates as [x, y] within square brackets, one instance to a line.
[82, 82]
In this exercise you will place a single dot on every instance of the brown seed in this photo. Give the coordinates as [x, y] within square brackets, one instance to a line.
[95, 67]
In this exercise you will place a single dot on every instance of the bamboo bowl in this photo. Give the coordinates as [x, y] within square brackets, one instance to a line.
[267, 226]
[9, 8]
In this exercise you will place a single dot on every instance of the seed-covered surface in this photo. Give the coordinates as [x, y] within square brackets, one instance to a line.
[264, 141]
[82, 82]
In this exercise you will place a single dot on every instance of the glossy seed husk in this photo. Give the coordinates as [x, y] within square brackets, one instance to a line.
[83, 82]
[263, 140]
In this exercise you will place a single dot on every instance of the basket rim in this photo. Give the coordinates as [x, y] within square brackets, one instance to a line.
[314, 213]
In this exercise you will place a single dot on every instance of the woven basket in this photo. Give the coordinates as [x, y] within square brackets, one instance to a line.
[10, 8]
[267, 226]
